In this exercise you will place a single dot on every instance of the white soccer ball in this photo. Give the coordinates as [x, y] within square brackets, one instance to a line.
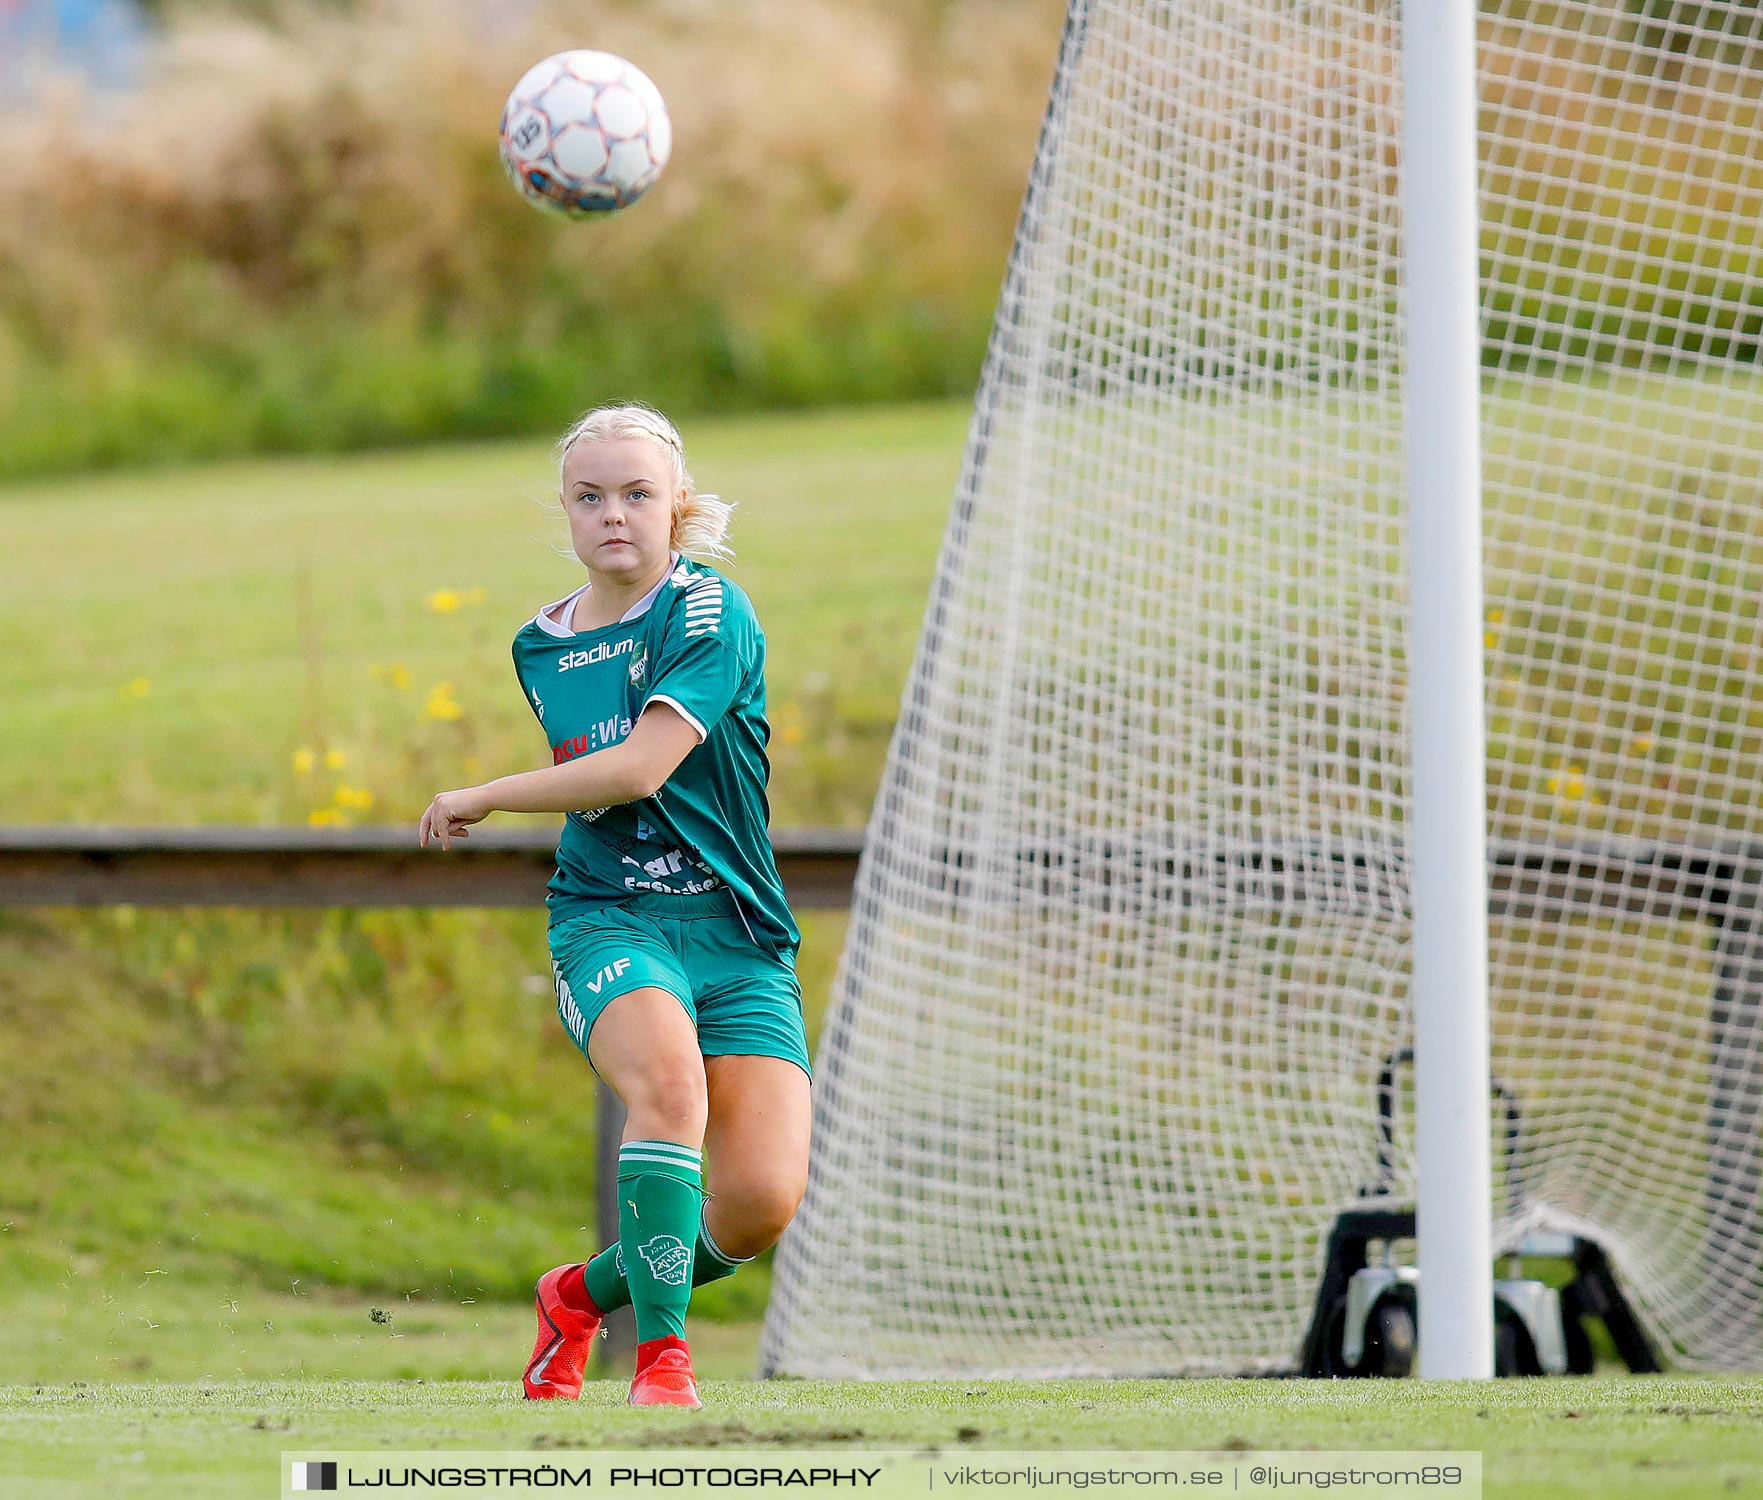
[585, 133]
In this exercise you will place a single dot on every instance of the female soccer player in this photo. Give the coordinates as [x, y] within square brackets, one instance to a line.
[671, 942]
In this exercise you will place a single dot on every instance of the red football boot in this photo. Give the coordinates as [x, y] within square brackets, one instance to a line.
[664, 1375]
[566, 1336]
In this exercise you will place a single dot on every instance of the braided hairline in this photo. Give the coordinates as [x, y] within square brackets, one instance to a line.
[624, 419]
[700, 522]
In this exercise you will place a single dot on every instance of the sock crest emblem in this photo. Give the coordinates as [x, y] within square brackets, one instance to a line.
[669, 1260]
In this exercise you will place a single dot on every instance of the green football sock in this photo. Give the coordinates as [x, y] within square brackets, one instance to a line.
[604, 1274]
[660, 1199]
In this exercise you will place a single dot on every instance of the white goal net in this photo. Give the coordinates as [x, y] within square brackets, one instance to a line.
[1130, 945]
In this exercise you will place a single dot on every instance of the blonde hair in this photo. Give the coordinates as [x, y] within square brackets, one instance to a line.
[700, 522]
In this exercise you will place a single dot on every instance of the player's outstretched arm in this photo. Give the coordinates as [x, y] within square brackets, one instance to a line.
[638, 766]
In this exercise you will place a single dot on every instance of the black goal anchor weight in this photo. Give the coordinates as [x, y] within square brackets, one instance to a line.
[1366, 1315]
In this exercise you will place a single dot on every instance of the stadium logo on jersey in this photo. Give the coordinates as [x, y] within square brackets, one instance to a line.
[670, 1262]
[605, 651]
[639, 667]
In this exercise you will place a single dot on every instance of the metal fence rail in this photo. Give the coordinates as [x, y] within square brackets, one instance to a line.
[229, 865]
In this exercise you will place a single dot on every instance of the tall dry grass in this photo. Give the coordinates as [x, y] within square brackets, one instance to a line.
[297, 234]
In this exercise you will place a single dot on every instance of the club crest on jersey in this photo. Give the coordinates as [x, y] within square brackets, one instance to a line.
[670, 1262]
[639, 667]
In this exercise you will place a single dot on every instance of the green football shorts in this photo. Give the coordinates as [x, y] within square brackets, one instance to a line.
[743, 1000]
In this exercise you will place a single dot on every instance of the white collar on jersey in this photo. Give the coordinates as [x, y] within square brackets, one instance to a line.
[566, 607]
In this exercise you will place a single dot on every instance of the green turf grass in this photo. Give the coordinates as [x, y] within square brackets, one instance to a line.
[192, 1324]
[1541, 1440]
[168, 641]
[380, 1103]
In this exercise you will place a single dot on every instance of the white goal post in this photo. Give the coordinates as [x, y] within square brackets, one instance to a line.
[1447, 836]
[1133, 943]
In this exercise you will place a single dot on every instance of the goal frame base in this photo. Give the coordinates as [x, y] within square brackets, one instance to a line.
[1593, 1292]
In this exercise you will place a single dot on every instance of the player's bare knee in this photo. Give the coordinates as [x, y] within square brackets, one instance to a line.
[669, 1104]
[754, 1214]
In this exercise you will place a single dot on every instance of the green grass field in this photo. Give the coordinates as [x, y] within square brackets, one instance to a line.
[1540, 1440]
[170, 641]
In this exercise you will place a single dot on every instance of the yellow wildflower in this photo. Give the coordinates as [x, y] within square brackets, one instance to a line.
[399, 674]
[335, 760]
[304, 761]
[138, 688]
[445, 601]
[327, 817]
[442, 704]
[357, 797]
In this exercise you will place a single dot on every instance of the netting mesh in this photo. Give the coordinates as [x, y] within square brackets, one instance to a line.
[1130, 945]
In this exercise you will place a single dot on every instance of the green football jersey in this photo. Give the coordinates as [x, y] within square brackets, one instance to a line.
[693, 643]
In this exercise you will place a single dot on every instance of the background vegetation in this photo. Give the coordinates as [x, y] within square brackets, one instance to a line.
[298, 237]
